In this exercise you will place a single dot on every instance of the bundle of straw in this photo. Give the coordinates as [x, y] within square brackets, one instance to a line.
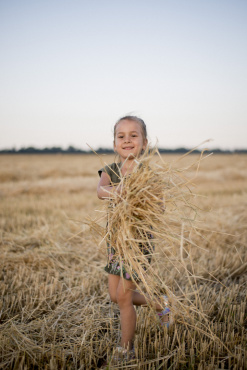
[153, 211]
[156, 198]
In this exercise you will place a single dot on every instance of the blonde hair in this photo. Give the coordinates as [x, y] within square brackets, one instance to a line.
[135, 119]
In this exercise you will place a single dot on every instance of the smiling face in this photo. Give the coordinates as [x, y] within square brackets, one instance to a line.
[129, 140]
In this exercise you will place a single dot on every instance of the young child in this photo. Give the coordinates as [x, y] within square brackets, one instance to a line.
[130, 140]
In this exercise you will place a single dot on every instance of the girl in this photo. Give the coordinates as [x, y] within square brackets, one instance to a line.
[130, 140]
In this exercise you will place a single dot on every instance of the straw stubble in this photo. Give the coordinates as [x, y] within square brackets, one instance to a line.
[55, 309]
[154, 209]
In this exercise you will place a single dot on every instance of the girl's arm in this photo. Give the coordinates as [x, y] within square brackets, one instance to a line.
[104, 187]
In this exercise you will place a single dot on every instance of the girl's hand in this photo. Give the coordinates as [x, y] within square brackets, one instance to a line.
[105, 190]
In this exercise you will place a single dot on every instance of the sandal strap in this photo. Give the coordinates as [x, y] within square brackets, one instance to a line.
[164, 312]
[122, 354]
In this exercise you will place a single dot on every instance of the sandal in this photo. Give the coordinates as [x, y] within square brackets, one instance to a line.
[166, 311]
[121, 354]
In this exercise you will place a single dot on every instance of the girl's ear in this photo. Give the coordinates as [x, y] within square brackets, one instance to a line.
[114, 146]
[145, 143]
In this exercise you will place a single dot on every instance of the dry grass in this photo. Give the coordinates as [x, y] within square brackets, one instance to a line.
[55, 309]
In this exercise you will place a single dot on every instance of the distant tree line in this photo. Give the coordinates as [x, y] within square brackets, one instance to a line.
[73, 150]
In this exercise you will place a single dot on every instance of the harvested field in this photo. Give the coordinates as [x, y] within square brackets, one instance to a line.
[55, 310]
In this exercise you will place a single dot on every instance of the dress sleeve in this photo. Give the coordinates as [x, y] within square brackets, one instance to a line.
[107, 169]
[112, 171]
[101, 170]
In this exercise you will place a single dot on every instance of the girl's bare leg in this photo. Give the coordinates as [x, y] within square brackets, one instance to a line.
[121, 291]
[113, 281]
[128, 297]
[140, 300]
[125, 293]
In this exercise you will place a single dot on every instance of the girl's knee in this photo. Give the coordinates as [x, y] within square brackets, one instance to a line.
[124, 298]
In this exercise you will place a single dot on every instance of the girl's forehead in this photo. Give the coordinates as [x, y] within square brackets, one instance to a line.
[127, 125]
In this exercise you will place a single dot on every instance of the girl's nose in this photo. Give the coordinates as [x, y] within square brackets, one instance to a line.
[127, 139]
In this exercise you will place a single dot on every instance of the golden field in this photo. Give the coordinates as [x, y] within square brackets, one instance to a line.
[55, 310]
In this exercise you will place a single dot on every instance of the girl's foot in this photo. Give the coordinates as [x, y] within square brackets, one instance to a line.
[121, 354]
[165, 316]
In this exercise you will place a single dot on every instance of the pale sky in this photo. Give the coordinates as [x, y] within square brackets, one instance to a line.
[70, 69]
